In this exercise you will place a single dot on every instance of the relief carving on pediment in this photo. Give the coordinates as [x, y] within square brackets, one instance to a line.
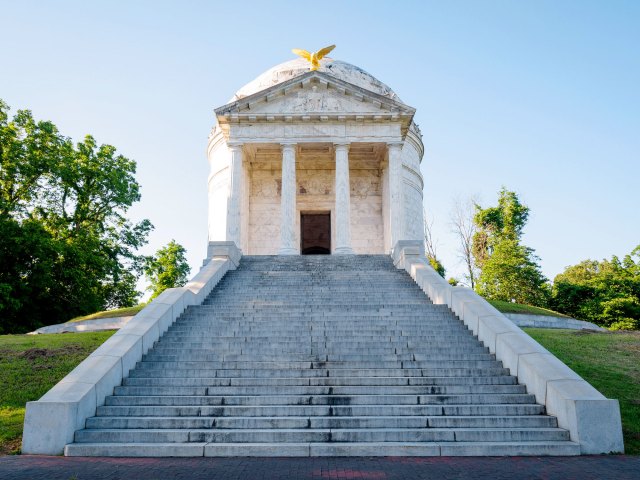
[313, 102]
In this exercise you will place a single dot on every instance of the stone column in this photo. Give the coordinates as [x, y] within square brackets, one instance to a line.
[343, 200]
[288, 201]
[395, 192]
[235, 194]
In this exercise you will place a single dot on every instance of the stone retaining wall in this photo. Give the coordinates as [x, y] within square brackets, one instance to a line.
[545, 321]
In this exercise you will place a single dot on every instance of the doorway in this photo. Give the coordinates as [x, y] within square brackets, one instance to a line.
[315, 233]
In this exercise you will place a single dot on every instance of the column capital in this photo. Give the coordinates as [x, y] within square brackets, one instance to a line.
[394, 145]
[288, 145]
[342, 145]
[235, 145]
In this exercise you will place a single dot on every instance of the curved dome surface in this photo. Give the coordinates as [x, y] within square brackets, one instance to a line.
[293, 68]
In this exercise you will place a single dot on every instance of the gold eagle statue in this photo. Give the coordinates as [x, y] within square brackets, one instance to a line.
[314, 57]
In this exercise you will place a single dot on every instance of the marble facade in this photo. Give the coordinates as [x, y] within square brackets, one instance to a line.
[296, 142]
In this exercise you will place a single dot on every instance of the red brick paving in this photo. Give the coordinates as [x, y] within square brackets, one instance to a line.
[367, 468]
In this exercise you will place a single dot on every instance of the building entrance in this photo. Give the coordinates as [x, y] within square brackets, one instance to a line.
[315, 233]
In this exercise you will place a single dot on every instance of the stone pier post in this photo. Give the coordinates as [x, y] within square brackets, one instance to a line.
[288, 201]
[343, 200]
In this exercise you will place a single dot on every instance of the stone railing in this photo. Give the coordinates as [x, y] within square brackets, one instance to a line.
[51, 422]
[592, 420]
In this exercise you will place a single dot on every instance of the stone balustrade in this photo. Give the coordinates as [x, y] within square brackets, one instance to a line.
[50, 423]
[592, 420]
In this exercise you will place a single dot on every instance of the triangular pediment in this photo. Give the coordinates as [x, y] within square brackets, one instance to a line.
[314, 95]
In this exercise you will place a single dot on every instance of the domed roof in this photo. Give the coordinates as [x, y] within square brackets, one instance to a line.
[293, 68]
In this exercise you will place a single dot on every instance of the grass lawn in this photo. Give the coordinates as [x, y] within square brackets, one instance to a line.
[608, 361]
[29, 366]
[508, 307]
[118, 312]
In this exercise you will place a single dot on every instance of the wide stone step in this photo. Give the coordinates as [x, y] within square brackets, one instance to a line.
[456, 341]
[382, 399]
[159, 370]
[279, 321]
[465, 337]
[319, 381]
[389, 358]
[320, 410]
[321, 435]
[304, 365]
[308, 334]
[400, 353]
[184, 422]
[171, 348]
[321, 390]
[333, 449]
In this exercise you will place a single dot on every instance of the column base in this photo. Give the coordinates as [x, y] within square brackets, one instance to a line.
[287, 251]
[343, 251]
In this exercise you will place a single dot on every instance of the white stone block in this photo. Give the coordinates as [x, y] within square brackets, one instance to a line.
[126, 346]
[146, 327]
[511, 345]
[473, 310]
[51, 422]
[225, 249]
[416, 266]
[256, 450]
[160, 314]
[166, 317]
[439, 292]
[403, 250]
[461, 295]
[535, 370]
[208, 276]
[423, 268]
[490, 327]
[592, 420]
[102, 371]
[135, 450]
[427, 276]
[178, 298]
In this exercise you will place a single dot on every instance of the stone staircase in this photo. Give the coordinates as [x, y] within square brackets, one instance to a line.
[319, 355]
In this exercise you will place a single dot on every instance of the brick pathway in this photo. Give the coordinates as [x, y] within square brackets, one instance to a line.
[379, 468]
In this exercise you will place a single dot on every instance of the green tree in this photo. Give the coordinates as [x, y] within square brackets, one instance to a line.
[168, 268]
[605, 292]
[508, 270]
[511, 273]
[437, 265]
[66, 246]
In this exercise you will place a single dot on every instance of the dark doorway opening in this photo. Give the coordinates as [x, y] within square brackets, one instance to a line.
[315, 233]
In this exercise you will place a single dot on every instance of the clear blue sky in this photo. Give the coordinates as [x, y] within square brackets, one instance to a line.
[542, 97]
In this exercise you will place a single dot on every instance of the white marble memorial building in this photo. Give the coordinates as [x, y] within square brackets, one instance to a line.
[324, 161]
